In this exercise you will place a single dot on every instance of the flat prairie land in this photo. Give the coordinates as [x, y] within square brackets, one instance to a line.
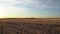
[32, 20]
[30, 26]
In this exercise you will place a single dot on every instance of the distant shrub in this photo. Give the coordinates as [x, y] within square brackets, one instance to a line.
[31, 18]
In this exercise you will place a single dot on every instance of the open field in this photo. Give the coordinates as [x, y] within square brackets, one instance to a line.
[33, 20]
[30, 26]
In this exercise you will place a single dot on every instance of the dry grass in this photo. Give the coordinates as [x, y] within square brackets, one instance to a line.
[30, 26]
[34, 21]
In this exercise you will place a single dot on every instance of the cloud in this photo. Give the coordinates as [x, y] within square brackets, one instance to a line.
[7, 11]
[7, 7]
[7, 2]
[40, 4]
[16, 5]
[12, 9]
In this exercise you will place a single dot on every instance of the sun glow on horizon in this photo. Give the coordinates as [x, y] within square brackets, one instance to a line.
[2, 14]
[11, 11]
[29, 8]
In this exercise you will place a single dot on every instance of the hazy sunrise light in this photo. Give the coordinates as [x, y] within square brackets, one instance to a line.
[29, 8]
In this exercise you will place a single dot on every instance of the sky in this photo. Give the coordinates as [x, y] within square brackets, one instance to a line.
[29, 8]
